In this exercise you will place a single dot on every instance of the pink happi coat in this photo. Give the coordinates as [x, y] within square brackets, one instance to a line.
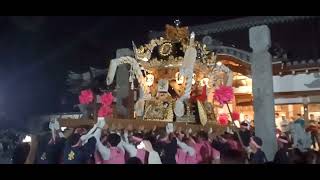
[183, 157]
[191, 159]
[141, 154]
[205, 153]
[234, 145]
[97, 158]
[116, 156]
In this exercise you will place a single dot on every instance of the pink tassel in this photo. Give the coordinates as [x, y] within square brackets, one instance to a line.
[223, 94]
[223, 119]
[107, 99]
[86, 97]
[104, 111]
[235, 116]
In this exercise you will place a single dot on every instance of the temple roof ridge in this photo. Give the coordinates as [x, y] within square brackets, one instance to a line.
[238, 23]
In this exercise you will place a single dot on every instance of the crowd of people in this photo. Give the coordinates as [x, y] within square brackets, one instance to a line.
[9, 140]
[104, 145]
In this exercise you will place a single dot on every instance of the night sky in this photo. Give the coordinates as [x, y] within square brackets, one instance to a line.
[37, 51]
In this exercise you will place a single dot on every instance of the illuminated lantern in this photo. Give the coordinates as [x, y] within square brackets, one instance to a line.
[179, 78]
[193, 78]
[204, 82]
[145, 59]
[149, 79]
[26, 139]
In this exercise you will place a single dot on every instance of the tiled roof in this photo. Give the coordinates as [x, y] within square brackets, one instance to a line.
[238, 23]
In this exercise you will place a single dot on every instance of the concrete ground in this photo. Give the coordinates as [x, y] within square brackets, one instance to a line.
[5, 159]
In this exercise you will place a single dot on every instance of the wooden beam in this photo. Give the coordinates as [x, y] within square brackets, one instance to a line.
[235, 64]
[297, 69]
[239, 66]
[136, 123]
[296, 94]
[74, 123]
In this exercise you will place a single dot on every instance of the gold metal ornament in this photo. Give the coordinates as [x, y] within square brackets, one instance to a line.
[71, 156]
[165, 49]
[43, 156]
[202, 113]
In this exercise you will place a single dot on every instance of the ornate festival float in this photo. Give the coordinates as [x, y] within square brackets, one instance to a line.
[171, 79]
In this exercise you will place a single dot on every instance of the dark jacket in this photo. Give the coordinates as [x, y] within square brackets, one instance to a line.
[281, 157]
[245, 137]
[168, 152]
[20, 153]
[79, 154]
[50, 153]
[258, 158]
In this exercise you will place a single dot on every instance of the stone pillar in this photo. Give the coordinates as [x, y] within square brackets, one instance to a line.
[122, 84]
[261, 66]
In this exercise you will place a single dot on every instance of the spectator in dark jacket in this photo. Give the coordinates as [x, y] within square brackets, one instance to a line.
[257, 156]
[282, 155]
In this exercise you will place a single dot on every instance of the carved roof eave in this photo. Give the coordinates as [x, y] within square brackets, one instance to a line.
[279, 67]
[234, 24]
[242, 55]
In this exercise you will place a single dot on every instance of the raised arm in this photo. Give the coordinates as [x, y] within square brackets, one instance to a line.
[86, 137]
[90, 147]
[190, 150]
[103, 150]
[67, 133]
[33, 150]
[154, 157]
[131, 149]
[56, 129]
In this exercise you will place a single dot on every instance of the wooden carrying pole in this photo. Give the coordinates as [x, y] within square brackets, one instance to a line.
[136, 123]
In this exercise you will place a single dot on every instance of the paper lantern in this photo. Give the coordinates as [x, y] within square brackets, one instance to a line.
[26, 139]
[149, 80]
[204, 82]
[193, 78]
[179, 78]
